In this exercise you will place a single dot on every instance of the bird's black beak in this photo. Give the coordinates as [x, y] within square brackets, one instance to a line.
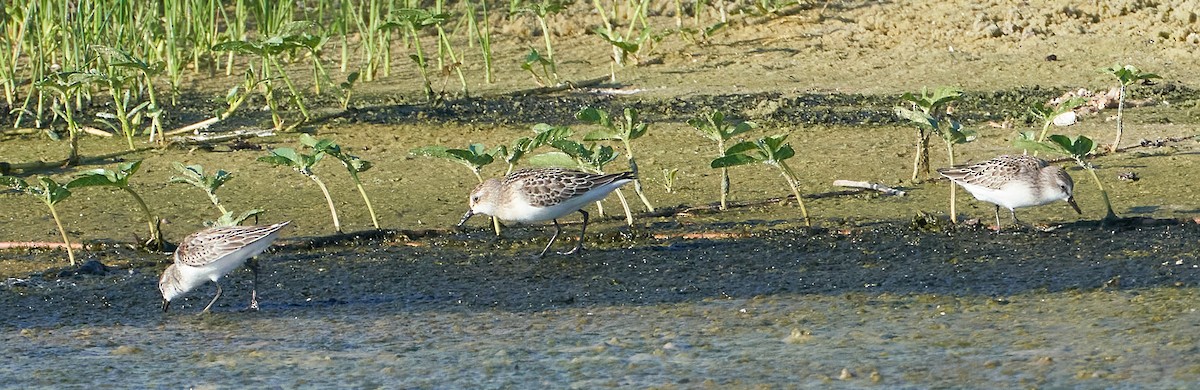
[1071, 201]
[166, 305]
[464, 219]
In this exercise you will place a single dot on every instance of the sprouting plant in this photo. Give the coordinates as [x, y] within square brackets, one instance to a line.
[119, 59]
[194, 175]
[1077, 149]
[481, 28]
[1051, 115]
[347, 87]
[542, 10]
[669, 176]
[714, 127]
[353, 164]
[769, 150]
[629, 128]
[303, 164]
[534, 61]
[289, 36]
[623, 45]
[930, 116]
[474, 157]
[1126, 75]
[929, 109]
[50, 193]
[66, 86]
[412, 20]
[544, 135]
[119, 179]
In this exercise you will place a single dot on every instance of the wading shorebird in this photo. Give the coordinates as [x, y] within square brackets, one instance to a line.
[543, 194]
[1014, 182]
[211, 253]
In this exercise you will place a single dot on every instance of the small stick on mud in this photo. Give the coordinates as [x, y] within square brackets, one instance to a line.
[870, 186]
[204, 138]
[38, 245]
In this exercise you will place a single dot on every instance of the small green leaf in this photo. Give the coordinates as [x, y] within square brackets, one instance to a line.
[732, 160]
[740, 147]
[552, 159]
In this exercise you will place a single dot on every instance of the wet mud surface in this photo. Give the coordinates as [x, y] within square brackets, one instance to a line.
[888, 305]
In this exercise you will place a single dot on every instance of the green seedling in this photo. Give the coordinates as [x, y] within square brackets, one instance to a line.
[1048, 115]
[534, 61]
[290, 36]
[1127, 75]
[1077, 149]
[303, 164]
[448, 61]
[669, 176]
[930, 115]
[714, 127]
[629, 128]
[50, 193]
[767, 150]
[66, 87]
[474, 157]
[544, 135]
[347, 87]
[928, 111]
[119, 179]
[623, 45]
[411, 21]
[542, 10]
[353, 164]
[194, 175]
[119, 59]
[482, 29]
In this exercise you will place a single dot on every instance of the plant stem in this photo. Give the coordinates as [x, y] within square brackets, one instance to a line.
[637, 183]
[1109, 215]
[337, 225]
[953, 187]
[150, 218]
[63, 232]
[724, 187]
[1120, 122]
[791, 180]
[291, 87]
[549, 49]
[361, 191]
[919, 153]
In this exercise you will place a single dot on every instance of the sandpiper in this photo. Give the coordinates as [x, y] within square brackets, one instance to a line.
[541, 194]
[211, 253]
[1014, 182]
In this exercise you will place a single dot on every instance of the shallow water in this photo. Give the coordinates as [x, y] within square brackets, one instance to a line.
[889, 306]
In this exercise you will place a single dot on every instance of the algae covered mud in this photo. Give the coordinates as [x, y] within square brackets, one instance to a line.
[774, 306]
[882, 293]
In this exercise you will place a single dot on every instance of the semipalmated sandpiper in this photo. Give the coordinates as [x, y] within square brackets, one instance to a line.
[1014, 182]
[543, 194]
[211, 253]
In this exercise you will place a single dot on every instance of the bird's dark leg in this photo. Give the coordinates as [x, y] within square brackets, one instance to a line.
[214, 300]
[557, 230]
[253, 265]
[579, 246]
